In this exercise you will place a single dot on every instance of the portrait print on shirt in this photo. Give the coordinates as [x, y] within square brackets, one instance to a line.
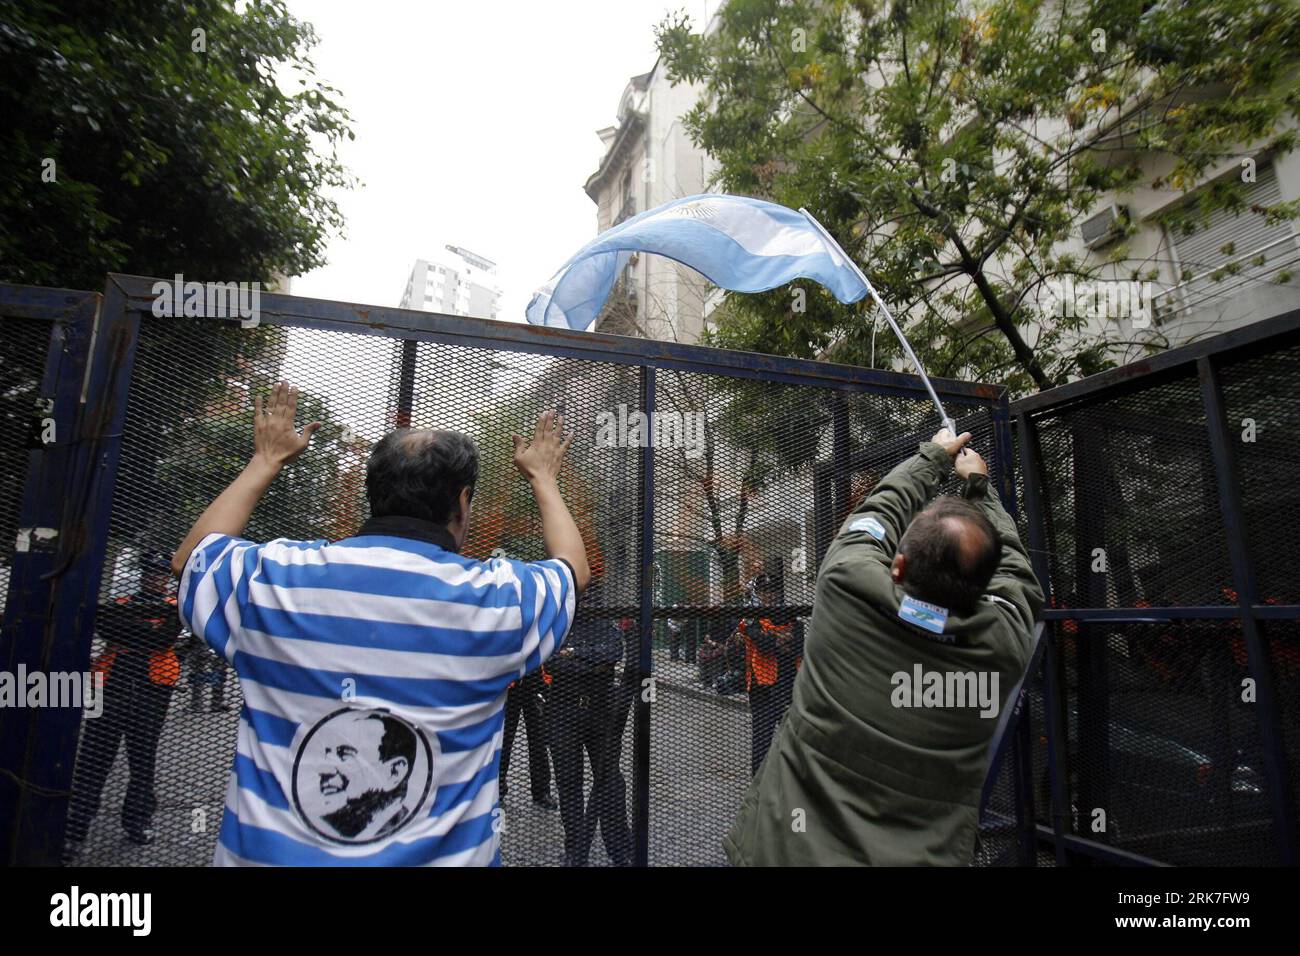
[361, 774]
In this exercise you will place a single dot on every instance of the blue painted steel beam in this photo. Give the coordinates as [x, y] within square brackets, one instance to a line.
[1267, 335]
[1156, 615]
[645, 629]
[298, 312]
[1100, 851]
[26, 639]
[1276, 772]
[43, 805]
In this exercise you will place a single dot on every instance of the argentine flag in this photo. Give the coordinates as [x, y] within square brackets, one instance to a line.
[738, 243]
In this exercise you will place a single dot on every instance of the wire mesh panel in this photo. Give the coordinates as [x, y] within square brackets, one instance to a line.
[751, 481]
[1166, 758]
[566, 760]
[1005, 816]
[23, 346]
[1261, 397]
[1132, 508]
[151, 768]
[151, 771]
[1160, 498]
[747, 478]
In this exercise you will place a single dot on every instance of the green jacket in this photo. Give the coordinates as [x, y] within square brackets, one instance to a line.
[853, 777]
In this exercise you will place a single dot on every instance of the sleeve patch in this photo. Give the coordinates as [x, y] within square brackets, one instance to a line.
[930, 617]
[871, 525]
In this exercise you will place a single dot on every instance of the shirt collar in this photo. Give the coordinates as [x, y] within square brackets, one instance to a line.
[420, 529]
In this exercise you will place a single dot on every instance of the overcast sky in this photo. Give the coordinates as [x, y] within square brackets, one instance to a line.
[475, 125]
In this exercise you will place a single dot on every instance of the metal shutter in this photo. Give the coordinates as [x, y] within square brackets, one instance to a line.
[1249, 235]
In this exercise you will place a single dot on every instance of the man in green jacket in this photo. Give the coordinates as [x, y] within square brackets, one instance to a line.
[922, 624]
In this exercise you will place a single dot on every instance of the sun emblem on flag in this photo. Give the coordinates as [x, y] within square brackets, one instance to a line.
[699, 209]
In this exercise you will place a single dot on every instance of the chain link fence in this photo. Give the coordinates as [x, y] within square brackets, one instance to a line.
[715, 521]
[1159, 500]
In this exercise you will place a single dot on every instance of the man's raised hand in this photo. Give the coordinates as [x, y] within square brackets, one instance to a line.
[275, 440]
[952, 445]
[543, 456]
[970, 462]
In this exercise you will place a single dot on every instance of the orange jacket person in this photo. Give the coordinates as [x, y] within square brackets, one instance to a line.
[773, 652]
[140, 669]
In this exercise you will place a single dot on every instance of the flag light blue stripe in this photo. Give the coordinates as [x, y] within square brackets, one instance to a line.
[579, 289]
[471, 736]
[260, 782]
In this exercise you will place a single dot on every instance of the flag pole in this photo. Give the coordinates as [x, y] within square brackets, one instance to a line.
[948, 423]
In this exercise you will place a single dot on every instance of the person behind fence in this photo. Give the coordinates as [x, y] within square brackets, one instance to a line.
[922, 623]
[722, 659]
[773, 650]
[206, 669]
[682, 639]
[583, 710]
[526, 699]
[140, 669]
[374, 669]
[611, 791]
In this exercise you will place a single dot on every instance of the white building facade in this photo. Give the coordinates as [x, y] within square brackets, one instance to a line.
[650, 160]
[460, 283]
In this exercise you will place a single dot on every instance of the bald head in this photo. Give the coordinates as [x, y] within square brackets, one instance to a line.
[949, 554]
[421, 473]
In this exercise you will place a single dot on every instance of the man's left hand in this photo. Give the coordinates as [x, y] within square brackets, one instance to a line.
[970, 463]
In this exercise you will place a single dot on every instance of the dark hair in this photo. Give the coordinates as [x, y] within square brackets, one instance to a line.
[419, 473]
[952, 550]
[398, 741]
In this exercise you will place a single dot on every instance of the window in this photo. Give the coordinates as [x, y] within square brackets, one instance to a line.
[1233, 251]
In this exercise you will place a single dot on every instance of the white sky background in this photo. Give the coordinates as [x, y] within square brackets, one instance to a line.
[475, 125]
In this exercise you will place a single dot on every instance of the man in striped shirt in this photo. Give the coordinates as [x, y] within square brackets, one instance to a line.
[374, 669]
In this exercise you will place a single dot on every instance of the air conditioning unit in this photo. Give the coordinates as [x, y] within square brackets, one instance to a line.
[1102, 228]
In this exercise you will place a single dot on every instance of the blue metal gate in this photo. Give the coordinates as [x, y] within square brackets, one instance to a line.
[150, 420]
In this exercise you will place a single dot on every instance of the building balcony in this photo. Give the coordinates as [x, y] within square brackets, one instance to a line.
[627, 211]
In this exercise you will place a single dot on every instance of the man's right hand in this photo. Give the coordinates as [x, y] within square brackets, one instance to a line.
[970, 463]
[951, 444]
[543, 456]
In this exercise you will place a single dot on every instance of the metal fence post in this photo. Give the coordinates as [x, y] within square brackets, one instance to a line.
[1004, 455]
[26, 639]
[405, 384]
[52, 743]
[1054, 701]
[641, 726]
[1243, 572]
[843, 479]
[1004, 470]
[1092, 650]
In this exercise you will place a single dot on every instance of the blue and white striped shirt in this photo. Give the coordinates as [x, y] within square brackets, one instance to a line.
[374, 672]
